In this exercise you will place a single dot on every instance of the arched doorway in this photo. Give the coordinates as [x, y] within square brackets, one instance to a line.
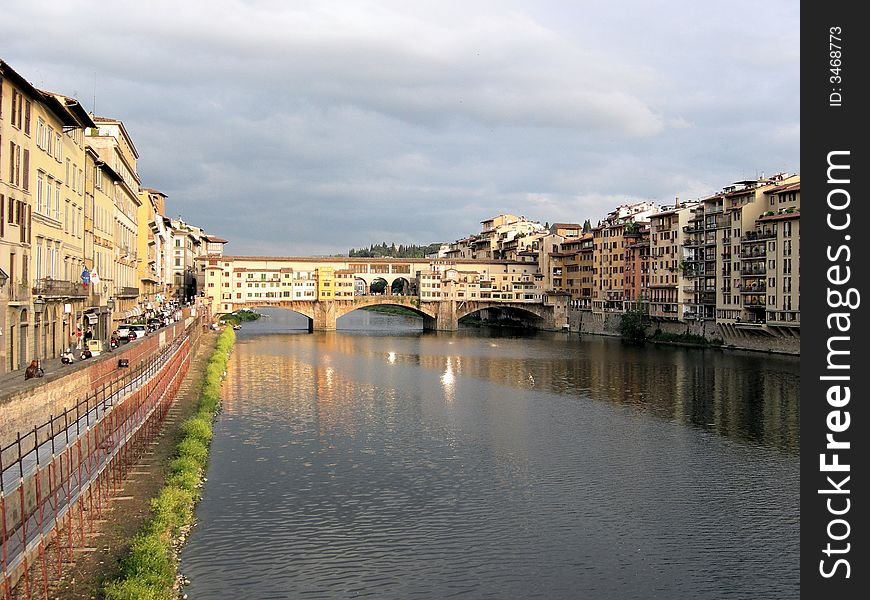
[400, 287]
[378, 287]
[22, 339]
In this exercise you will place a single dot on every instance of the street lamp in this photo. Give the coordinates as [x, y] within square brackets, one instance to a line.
[38, 309]
[3, 278]
[110, 305]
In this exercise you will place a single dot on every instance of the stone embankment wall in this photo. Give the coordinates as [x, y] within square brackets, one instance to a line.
[36, 402]
[772, 339]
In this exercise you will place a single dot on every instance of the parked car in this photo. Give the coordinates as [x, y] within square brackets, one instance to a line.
[123, 332]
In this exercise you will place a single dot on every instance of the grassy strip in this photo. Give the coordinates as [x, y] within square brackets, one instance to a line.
[240, 316]
[149, 572]
[391, 310]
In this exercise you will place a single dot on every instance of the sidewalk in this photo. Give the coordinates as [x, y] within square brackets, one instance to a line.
[11, 383]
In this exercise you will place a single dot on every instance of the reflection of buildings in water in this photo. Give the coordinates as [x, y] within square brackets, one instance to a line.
[747, 397]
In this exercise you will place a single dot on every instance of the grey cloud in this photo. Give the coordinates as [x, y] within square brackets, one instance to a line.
[318, 126]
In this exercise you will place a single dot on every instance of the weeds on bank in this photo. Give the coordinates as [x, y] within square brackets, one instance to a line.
[149, 572]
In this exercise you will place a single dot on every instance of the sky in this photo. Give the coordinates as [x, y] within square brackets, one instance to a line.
[309, 128]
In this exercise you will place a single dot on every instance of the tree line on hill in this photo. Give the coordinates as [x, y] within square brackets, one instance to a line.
[394, 251]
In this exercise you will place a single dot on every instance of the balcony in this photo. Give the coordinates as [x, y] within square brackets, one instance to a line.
[127, 292]
[19, 292]
[58, 288]
[753, 271]
[758, 236]
[754, 254]
[754, 288]
[754, 302]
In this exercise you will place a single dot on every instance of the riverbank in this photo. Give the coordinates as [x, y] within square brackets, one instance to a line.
[108, 541]
[150, 570]
[391, 310]
[770, 339]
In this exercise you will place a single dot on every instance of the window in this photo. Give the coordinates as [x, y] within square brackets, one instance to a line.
[17, 101]
[14, 164]
[39, 192]
[25, 168]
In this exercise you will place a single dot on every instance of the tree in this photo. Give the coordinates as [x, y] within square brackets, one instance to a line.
[632, 325]
[587, 226]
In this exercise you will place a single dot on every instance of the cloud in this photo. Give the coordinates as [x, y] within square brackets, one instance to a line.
[317, 126]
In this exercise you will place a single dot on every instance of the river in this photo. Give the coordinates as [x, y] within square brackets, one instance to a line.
[378, 461]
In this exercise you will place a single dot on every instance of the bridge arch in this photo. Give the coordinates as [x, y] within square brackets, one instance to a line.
[389, 278]
[378, 287]
[344, 307]
[401, 286]
[306, 309]
[526, 314]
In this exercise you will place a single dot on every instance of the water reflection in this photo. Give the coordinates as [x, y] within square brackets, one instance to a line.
[746, 396]
[404, 464]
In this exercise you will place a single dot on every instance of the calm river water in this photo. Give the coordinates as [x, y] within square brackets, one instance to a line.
[381, 462]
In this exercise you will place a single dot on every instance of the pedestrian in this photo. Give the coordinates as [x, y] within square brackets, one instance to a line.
[31, 371]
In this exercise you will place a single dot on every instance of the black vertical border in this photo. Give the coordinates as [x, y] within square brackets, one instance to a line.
[826, 128]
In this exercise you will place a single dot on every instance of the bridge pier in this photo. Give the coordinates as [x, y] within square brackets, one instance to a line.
[446, 319]
[324, 317]
[430, 323]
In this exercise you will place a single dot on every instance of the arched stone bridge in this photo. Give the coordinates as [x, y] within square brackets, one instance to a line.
[441, 315]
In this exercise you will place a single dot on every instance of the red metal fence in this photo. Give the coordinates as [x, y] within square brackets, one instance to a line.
[56, 478]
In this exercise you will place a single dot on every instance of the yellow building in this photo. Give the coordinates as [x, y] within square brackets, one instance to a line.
[17, 100]
[116, 174]
[781, 225]
[44, 196]
[58, 160]
[325, 283]
[746, 264]
[670, 290]
[146, 248]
